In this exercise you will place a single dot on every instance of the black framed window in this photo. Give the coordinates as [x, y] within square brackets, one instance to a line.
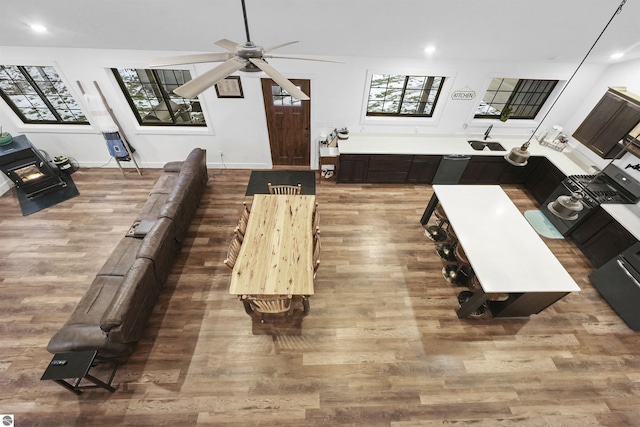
[403, 96]
[38, 95]
[150, 95]
[281, 97]
[517, 98]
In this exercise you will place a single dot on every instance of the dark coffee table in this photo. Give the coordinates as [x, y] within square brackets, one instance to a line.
[76, 365]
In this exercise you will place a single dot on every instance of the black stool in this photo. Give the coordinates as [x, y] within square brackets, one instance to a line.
[461, 273]
[437, 232]
[446, 250]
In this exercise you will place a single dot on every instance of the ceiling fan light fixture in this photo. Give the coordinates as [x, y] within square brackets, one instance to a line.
[247, 57]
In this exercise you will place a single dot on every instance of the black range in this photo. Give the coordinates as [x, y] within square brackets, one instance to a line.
[612, 185]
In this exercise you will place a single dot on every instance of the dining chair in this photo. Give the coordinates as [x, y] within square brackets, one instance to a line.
[232, 252]
[316, 254]
[316, 220]
[242, 224]
[268, 304]
[285, 189]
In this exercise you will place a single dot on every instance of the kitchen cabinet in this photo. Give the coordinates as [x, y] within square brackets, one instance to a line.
[495, 170]
[423, 169]
[615, 115]
[483, 170]
[600, 237]
[543, 178]
[387, 168]
[353, 168]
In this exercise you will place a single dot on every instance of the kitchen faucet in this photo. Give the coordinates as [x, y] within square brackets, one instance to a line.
[486, 133]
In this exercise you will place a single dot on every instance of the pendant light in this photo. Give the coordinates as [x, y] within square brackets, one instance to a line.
[519, 156]
[567, 207]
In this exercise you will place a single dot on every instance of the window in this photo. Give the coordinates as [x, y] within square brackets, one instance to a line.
[410, 96]
[281, 97]
[150, 95]
[37, 95]
[518, 98]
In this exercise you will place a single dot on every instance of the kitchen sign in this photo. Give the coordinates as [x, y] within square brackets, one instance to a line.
[463, 94]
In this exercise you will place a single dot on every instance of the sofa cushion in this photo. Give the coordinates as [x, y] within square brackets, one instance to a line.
[160, 247]
[82, 330]
[130, 307]
[122, 257]
[151, 208]
[165, 183]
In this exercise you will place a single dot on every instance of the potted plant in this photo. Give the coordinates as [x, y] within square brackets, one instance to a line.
[506, 113]
[5, 137]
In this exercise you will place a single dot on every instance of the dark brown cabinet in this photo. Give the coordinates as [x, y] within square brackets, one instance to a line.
[600, 237]
[353, 168]
[543, 178]
[423, 169]
[483, 170]
[387, 168]
[495, 170]
[615, 115]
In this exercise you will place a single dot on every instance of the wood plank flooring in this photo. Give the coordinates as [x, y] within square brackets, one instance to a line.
[382, 345]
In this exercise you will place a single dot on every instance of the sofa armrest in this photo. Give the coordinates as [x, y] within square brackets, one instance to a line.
[77, 338]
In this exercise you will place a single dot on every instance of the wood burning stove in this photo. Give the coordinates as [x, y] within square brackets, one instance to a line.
[28, 169]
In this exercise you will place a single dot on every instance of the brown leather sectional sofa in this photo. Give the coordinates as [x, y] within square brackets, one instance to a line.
[111, 316]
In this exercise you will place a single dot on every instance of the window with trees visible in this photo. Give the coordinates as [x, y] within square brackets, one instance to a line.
[150, 95]
[514, 98]
[403, 96]
[38, 95]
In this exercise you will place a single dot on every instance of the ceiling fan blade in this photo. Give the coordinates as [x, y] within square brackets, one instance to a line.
[190, 59]
[228, 44]
[194, 87]
[279, 46]
[280, 79]
[301, 59]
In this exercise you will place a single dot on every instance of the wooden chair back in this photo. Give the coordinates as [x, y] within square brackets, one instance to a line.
[233, 251]
[285, 189]
[269, 304]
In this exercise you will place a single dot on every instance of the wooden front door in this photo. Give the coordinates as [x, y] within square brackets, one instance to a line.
[288, 121]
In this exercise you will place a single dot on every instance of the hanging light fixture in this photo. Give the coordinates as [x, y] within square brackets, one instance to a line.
[519, 156]
[567, 207]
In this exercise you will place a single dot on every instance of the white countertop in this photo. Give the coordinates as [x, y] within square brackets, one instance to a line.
[506, 253]
[368, 143]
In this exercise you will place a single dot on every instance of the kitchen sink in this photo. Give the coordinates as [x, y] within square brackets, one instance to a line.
[479, 145]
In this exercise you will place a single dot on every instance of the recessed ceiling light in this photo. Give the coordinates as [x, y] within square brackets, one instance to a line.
[38, 28]
[430, 49]
[617, 55]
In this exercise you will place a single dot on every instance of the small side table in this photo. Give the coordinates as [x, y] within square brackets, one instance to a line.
[329, 160]
[76, 366]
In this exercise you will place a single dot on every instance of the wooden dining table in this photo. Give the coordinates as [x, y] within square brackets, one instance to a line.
[276, 256]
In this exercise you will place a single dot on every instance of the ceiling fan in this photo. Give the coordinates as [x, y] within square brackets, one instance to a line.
[245, 57]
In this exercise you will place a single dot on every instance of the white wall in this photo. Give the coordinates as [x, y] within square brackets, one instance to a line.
[237, 127]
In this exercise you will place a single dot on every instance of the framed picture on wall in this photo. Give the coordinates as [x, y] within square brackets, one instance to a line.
[230, 87]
